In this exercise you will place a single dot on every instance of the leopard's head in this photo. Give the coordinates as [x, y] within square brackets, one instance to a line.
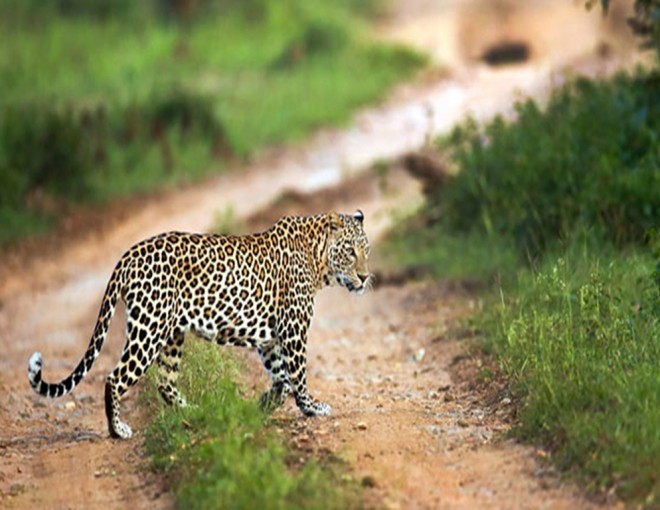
[348, 252]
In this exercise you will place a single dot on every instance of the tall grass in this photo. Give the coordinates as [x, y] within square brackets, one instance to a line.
[580, 342]
[220, 451]
[557, 209]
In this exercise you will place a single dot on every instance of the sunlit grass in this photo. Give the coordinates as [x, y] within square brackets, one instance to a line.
[222, 453]
[580, 340]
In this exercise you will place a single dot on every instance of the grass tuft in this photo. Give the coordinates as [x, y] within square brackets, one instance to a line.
[221, 450]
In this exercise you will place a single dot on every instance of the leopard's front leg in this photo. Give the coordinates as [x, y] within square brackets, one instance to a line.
[294, 352]
[295, 318]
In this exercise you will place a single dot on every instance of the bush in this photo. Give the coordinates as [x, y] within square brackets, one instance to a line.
[190, 113]
[189, 116]
[59, 150]
[42, 147]
[588, 161]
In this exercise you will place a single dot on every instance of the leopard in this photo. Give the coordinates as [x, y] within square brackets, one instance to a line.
[253, 290]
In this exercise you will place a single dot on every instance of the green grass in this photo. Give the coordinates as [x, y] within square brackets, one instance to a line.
[482, 258]
[221, 451]
[556, 211]
[579, 340]
[100, 105]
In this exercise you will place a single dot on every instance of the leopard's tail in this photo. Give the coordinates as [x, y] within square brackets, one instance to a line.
[108, 305]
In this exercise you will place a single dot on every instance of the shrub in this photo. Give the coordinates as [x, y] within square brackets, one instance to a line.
[191, 113]
[588, 161]
[42, 146]
[191, 116]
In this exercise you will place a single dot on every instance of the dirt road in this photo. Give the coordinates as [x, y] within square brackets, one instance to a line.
[417, 438]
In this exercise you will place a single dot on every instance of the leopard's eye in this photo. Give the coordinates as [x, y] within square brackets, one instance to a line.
[352, 252]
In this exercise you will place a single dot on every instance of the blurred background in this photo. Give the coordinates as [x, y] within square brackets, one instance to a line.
[109, 98]
[112, 97]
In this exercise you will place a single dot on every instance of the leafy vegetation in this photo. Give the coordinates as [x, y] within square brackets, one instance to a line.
[559, 208]
[589, 160]
[580, 341]
[114, 97]
[645, 22]
[220, 451]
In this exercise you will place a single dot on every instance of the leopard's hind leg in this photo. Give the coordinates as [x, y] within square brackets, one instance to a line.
[168, 362]
[144, 340]
[271, 356]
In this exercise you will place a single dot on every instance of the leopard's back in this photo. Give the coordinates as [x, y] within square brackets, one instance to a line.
[224, 288]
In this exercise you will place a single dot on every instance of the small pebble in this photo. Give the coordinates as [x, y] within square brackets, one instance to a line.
[419, 355]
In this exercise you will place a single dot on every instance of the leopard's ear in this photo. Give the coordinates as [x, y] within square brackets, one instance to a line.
[359, 215]
[334, 221]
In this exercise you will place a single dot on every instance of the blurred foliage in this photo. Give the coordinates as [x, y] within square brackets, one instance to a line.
[589, 161]
[645, 21]
[59, 149]
[41, 147]
[183, 11]
[115, 97]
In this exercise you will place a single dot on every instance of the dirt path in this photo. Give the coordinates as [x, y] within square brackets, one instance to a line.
[409, 414]
[421, 439]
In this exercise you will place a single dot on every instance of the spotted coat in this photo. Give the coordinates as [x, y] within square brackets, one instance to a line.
[255, 291]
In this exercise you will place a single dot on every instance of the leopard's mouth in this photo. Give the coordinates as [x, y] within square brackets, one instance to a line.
[352, 286]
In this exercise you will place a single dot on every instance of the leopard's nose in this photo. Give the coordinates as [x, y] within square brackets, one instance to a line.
[363, 277]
